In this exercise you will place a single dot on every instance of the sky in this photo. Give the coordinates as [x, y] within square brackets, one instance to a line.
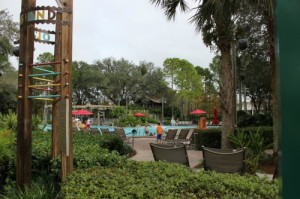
[132, 29]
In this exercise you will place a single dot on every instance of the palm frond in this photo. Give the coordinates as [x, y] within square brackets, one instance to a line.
[158, 2]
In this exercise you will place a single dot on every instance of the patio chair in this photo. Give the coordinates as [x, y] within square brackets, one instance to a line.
[121, 132]
[170, 136]
[224, 160]
[182, 135]
[175, 154]
[94, 131]
[105, 131]
[85, 130]
[190, 139]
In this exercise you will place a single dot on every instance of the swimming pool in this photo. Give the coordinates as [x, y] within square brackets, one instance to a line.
[128, 130]
[141, 129]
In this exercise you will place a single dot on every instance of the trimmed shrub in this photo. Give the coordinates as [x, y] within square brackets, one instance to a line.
[246, 120]
[208, 138]
[212, 137]
[113, 142]
[163, 180]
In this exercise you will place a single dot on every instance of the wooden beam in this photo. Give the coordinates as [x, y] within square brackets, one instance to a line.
[24, 114]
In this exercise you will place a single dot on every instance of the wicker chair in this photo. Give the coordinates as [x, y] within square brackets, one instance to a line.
[175, 154]
[224, 160]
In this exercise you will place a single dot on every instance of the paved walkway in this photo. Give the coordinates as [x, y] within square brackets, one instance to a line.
[142, 147]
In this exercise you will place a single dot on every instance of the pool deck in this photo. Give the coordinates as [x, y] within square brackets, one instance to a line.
[142, 147]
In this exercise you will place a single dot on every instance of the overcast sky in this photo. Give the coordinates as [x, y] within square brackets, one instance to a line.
[133, 29]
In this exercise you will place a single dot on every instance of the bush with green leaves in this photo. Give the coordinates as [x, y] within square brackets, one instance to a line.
[255, 147]
[128, 120]
[246, 120]
[163, 180]
[113, 142]
[40, 188]
[8, 121]
[36, 121]
[208, 138]
[7, 154]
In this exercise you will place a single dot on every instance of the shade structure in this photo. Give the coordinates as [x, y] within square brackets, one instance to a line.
[197, 112]
[82, 112]
[138, 114]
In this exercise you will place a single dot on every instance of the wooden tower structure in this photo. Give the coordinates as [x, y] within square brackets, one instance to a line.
[50, 81]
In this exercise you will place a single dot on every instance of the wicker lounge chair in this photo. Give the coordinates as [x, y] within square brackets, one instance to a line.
[175, 154]
[170, 137]
[224, 160]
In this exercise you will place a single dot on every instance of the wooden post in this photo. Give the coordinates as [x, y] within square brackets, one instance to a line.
[66, 78]
[24, 112]
[57, 80]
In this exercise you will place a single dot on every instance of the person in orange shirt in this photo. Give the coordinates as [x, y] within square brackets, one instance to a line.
[159, 131]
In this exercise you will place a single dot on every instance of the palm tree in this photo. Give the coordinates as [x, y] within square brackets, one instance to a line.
[267, 8]
[215, 20]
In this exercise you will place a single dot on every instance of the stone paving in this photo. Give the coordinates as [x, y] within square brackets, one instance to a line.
[142, 147]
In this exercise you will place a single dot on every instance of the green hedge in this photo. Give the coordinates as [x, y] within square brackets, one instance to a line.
[208, 138]
[212, 137]
[163, 180]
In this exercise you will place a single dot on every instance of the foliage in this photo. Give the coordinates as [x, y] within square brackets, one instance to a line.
[8, 121]
[247, 120]
[163, 180]
[8, 34]
[8, 89]
[118, 111]
[7, 155]
[35, 122]
[185, 77]
[255, 147]
[208, 138]
[119, 81]
[128, 120]
[6, 145]
[8, 80]
[113, 142]
[40, 188]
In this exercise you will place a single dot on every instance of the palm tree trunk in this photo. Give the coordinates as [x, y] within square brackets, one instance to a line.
[227, 96]
[274, 86]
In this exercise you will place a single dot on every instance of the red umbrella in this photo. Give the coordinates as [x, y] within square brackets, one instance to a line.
[215, 118]
[82, 112]
[197, 112]
[138, 114]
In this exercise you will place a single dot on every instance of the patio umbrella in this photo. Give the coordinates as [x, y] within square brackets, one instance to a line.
[82, 112]
[215, 118]
[197, 112]
[138, 114]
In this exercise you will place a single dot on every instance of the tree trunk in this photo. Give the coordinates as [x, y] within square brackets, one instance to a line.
[275, 100]
[227, 96]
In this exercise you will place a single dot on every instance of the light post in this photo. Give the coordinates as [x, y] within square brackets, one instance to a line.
[163, 100]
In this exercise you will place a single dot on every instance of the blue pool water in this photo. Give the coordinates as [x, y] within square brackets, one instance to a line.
[140, 129]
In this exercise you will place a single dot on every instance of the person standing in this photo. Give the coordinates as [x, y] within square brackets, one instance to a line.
[159, 131]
